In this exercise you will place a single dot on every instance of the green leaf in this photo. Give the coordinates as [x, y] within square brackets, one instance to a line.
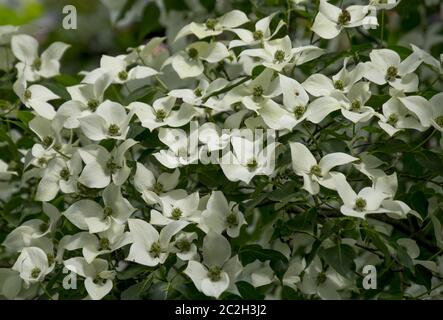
[250, 253]
[341, 258]
[247, 291]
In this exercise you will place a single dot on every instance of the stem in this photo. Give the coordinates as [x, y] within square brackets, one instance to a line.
[424, 141]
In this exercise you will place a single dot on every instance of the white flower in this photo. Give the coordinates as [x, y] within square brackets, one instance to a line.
[200, 95]
[102, 166]
[150, 247]
[248, 159]
[173, 208]
[33, 265]
[429, 112]
[32, 66]
[384, 4]
[331, 20]
[257, 273]
[189, 63]
[110, 121]
[221, 215]
[316, 173]
[261, 33]
[10, 283]
[5, 174]
[386, 67]
[214, 26]
[184, 247]
[89, 215]
[219, 271]
[162, 114]
[117, 68]
[292, 276]
[150, 187]
[86, 97]
[36, 97]
[98, 279]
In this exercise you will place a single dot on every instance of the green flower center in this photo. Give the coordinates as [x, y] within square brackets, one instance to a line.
[211, 23]
[27, 94]
[252, 165]
[93, 104]
[439, 121]
[113, 130]
[321, 278]
[160, 115]
[37, 64]
[155, 250]
[339, 85]
[104, 244]
[50, 258]
[65, 174]
[257, 91]
[355, 105]
[122, 75]
[344, 17]
[35, 273]
[107, 211]
[392, 119]
[176, 213]
[232, 220]
[193, 53]
[198, 92]
[257, 35]
[279, 56]
[391, 73]
[360, 204]
[299, 111]
[183, 245]
[316, 170]
[214, 274]
[42, 161]
[47, 141]
[158, 187]
[112, 166]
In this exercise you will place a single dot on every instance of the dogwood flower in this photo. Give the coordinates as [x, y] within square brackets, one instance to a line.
[316, 173]
[36, 97]
[150, 247]
[331, 20]
[162, 114]
[33, 265]
[386, 67]
[429, 112]
[31, 66]
[384, 4]
[182, 208]
[89, 215]
[98, 279]
[184, 247]
[201, 94]
[150, 187]
[219, 270]
[110, 121]
[213, 27]
[189, 63]
[102, 166]
[261, 33]
[248, 159]
[221, 215]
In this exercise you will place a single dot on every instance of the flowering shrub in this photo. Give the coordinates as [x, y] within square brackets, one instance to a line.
[248, 163]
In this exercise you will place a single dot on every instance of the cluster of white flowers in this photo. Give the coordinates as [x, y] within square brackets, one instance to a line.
[116, 168]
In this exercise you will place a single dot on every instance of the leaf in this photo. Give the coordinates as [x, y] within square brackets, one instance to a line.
[248, 291]
[149, 22]
[341, 258]
[250, 253]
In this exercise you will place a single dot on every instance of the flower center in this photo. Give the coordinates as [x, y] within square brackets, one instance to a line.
[339, 85]
[65, 174]
[42, 161]
[155, 250]
[393, 119]
[176, 213]
[93, 104]
[214, 274]
[391, 73]
[299, 111]
[37, 64]
[439, 121]
[232, 220]
[183, 245]
[107, 211]
[211, 23]
[35, 273]
[193, 53]
[27, 94]
[160, 115]
[344, 17]
[257, 91]
[360, 204]
[47, 141]
[158, 187]
[198, 92]
[112, 166]
[252, 165]
[279, 56]
[122, 75]
[113, 130]
[258, 35]
[321, 278]
[104, 244]
[316, 170]
[355, 105]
